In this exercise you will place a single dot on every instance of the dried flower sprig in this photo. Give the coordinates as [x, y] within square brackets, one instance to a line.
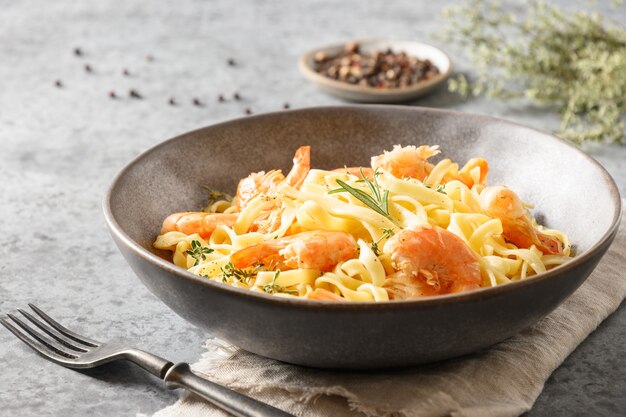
[574, 62]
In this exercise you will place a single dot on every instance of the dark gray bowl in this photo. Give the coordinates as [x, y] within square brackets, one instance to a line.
[571, 192]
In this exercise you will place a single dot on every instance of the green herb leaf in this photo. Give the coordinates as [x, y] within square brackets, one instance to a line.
[440, 188]
[361, 196]
[387, 233]
[274, 288]
[230, 272]
[378, 201]
[198, 252]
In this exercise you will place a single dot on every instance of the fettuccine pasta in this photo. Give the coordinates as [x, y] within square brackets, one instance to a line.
[400, 228]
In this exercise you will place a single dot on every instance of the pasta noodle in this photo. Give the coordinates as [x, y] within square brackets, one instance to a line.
[402, 228]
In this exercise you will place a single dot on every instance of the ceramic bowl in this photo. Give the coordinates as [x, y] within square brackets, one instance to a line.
[570, 190]
[365, 94]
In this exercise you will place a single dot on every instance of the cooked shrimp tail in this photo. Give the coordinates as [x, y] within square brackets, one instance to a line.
[265, 253]
[201, 223]
[261, 182]
[468, 175]
[324, 295]
[319, 250]
[502, 203]
[407, 162]
[430, 261]
[301, 167]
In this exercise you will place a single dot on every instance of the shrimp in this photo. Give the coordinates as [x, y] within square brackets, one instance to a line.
[324, 295]
[301, 167]
[408, 161]
[501, 203]
[356, 171]
[465, 174]
[265, 182]
[429, 261]
[269, 219]
[255, 184]
[201, 223]
[319, 250]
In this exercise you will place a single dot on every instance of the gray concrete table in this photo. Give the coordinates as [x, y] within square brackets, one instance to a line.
[60, 147]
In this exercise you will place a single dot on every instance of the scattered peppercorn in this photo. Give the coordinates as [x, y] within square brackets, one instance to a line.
[286, 106]
[231, 62]
[58, 84]
[197, 102]
[172, 101]
[236, 96]
[88, 68]
[248, 111]
[134, 94]
[78, 52]
[125, 72]
[112, 94]
[221, 98]
[378, 69]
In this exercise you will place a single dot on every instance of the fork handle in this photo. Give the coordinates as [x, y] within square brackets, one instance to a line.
[181, 376]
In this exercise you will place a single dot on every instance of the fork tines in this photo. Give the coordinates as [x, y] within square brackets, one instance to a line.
[52, 341]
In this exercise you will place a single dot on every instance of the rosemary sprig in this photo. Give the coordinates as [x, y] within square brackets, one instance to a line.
[378, 201]
[274, 288]
[198, 252]
[366, 199]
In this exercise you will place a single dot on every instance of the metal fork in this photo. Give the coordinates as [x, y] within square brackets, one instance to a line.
[64, 347]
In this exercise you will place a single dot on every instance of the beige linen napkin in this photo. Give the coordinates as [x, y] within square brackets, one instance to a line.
[504, 380]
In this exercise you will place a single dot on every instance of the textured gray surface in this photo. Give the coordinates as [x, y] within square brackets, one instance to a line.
[59, 148]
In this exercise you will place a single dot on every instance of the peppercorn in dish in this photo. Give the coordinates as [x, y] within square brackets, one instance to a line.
[378, 69]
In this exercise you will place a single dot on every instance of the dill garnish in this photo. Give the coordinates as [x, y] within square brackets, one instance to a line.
[198, 252]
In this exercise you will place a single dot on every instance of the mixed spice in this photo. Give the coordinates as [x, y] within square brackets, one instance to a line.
[378, 69]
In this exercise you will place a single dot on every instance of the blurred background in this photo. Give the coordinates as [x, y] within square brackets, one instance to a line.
[190, 43]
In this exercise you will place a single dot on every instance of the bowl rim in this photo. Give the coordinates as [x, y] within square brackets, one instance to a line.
[312, 75]
[253, 296]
